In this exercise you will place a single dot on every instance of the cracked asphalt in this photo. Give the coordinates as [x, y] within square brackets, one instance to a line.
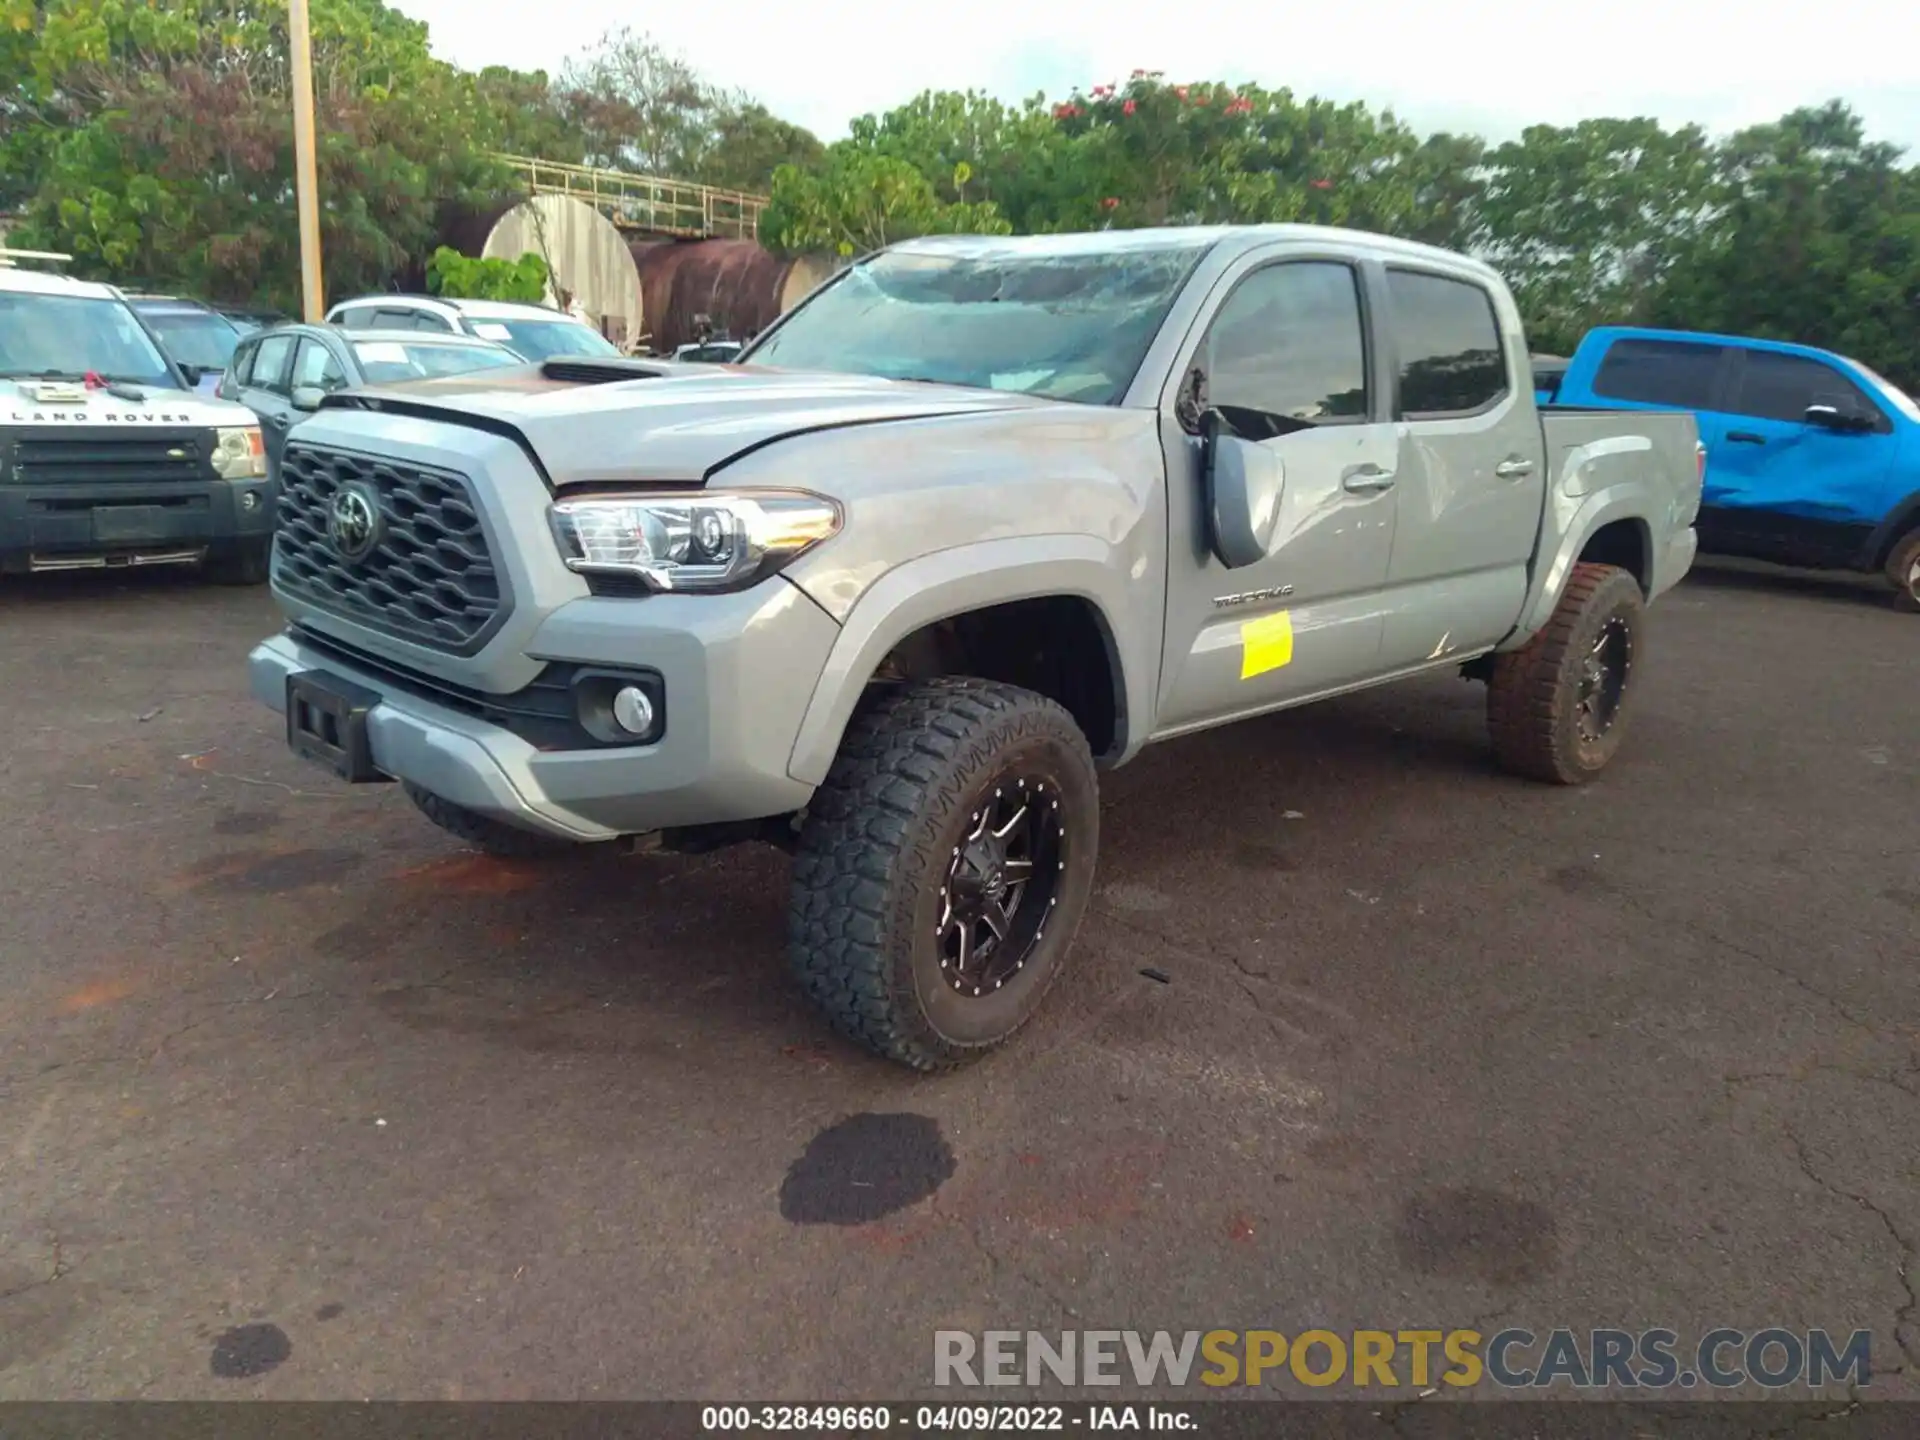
[300, 1100]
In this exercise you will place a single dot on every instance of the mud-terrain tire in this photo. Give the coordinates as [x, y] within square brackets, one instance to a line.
[507, 842]
[1903, 569]
[248, 563]
[910, 927]
[1557, 708]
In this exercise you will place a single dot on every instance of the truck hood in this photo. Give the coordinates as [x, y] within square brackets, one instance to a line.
[43, 403]
[680, 425]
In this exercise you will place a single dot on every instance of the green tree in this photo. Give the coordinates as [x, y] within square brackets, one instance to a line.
[528, 114]
[857, 201]
[638, 107]
[1815, 239]
[471, 277]
[749, 143]
[1585, 219]
[167, 140]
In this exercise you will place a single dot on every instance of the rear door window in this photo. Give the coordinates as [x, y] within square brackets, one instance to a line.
[1776, 386]
[1678, 373]
[1451, 359]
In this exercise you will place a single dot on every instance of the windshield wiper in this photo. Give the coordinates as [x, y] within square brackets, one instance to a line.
[936, 380]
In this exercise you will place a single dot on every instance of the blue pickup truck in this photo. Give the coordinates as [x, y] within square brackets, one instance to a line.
[1813, 460]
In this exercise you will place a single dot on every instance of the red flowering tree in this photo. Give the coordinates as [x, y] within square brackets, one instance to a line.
[1211, 153]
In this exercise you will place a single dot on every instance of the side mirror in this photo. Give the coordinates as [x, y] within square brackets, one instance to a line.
[308, 397]
[1243, 483]
[192, 374]
[1832, 417]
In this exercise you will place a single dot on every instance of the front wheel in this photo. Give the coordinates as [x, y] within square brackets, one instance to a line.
[1903, 569]
[1557, 707]
[945, 865]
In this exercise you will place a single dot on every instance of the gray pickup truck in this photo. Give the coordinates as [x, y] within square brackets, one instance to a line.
[978, 520]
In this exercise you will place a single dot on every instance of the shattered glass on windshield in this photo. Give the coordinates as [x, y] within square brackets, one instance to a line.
[1066, 327]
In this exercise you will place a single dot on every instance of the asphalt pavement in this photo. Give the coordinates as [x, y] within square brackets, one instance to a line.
[300, 1100]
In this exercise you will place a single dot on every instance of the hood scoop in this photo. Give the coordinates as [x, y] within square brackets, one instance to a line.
[600, 372]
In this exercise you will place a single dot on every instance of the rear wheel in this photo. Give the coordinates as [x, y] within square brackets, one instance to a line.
[944, 868]
[1903, 569]
[1557, 707]
[507, 842]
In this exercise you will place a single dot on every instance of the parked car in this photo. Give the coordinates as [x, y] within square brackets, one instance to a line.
[192, 333]
[283, 374]
[533, 331]
[107, 457]
[247, 321]
[1548, 372]
[710, 352]
[1813, 460]
[978, 518]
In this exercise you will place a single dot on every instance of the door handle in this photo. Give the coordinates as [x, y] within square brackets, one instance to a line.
[1745, 437]
[1513, 469]
[1366, 479]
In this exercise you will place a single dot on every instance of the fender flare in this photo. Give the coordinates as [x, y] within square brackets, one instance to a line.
[952, 582]
[1594, 512]
[1879, 547]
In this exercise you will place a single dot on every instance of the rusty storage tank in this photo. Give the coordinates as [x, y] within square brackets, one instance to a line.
[586, 257]
[740, 287]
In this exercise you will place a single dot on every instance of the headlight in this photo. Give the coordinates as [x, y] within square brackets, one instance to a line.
[700, 541]
[240, 454]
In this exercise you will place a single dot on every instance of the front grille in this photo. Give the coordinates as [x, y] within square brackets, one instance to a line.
[430, 579]
[97, 459]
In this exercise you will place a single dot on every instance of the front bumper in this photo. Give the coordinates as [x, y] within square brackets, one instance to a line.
[737, 671]
[60, 526]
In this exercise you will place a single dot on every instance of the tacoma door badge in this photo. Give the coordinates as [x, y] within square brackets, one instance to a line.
[1252, 597]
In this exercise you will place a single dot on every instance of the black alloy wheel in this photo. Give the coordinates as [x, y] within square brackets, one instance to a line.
[1001, 884]
[1603, 680]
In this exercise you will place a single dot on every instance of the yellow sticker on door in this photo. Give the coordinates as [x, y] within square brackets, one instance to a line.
[1266, 644]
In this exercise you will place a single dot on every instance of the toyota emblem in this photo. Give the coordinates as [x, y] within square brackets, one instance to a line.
[353, 522]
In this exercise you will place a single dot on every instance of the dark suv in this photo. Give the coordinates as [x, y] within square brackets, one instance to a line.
[195, 336]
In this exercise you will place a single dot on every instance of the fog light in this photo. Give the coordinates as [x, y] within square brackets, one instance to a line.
[250, 500]
[633, 709]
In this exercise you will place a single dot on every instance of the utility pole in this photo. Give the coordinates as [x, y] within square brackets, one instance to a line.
[305, 177]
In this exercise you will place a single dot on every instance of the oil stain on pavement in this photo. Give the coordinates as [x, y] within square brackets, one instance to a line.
[1477, 1234]
[866, 1168]
[271, 872]
[249, 1350]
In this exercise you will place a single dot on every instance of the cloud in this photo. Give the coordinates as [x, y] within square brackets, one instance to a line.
[1492, 67]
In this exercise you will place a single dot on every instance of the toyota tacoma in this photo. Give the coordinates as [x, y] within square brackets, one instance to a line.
[980, 519]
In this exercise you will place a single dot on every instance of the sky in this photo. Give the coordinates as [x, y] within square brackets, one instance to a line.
[1490, 67]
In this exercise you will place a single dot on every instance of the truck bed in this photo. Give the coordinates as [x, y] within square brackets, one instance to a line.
[1591, 450]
